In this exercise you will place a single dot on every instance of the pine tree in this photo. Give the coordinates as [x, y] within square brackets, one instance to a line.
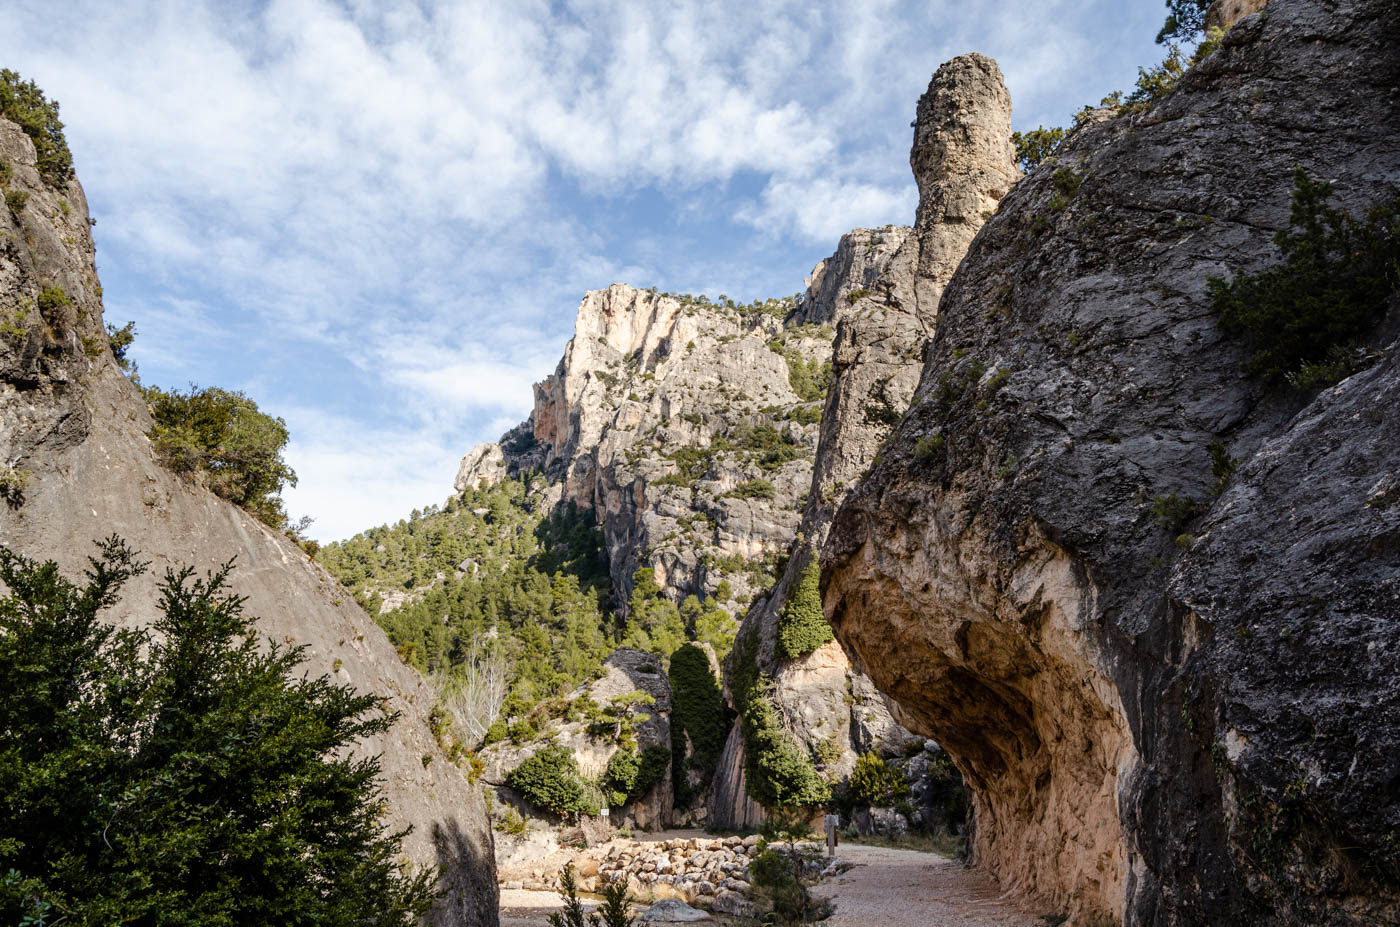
[184, 776]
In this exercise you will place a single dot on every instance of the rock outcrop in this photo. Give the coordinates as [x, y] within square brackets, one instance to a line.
[626, 673]
[688, 426]
[963, 162]
[79, 467]
[1185, 726]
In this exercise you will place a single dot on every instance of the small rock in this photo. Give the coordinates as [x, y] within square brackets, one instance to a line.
[735, 904]
[751, 840]
[673, 911]
[512, 886]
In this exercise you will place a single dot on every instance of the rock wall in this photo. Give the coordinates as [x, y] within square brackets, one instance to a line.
[963, 162]
[1156, 728]
[649, 378]
[77, 427]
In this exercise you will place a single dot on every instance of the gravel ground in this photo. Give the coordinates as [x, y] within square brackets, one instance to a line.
[886, 888]
[906, 888]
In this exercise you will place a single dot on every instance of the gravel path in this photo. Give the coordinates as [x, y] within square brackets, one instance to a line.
[886, 888]
[906, 888]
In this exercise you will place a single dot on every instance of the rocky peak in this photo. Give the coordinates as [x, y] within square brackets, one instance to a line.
[839, 281]
[964, 163]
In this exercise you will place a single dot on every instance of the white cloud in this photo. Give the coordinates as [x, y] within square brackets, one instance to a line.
[384, 212]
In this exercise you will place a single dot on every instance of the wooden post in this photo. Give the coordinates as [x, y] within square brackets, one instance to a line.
[830, 822]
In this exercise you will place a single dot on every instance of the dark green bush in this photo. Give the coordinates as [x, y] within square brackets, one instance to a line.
[16, 200]
[224, 436]
[188, 773]
[22, 102]
[698, 710]
[549, 779]
[1036, 145]
[630, 774]
[1304, 317]
[754, 489]
[778, 772]
[802, 627]
[1173, 512]
[876, 783]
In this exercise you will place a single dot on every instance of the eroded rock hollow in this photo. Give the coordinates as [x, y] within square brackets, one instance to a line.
[1163, 720]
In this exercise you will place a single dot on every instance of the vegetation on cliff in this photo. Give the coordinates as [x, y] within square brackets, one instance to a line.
[497, 573]
[224, 437]
[1305, 319]
[190, 768]
[778, 770]
[23, 103]
[802, 627]
[698, 712]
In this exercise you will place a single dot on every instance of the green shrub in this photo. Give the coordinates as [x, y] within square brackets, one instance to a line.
[856, 296]
[1066, 182]
[16, 200]
[22, 102]
[928, 447]
[698, 710]
[13, 483]
[802, 627]
[754, 489]
[6, 171]
[876, 783]
[218, 782]
[51, 298]
[549, 779]
[1303, 316]
[1036, 145]
[1173, 512]
[224, 436]
[778, 773]
[805, 414]
[630, 774]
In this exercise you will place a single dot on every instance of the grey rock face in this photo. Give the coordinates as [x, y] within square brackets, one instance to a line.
[76, 424]
[1134, 712]
[625, 671]
[963, 163]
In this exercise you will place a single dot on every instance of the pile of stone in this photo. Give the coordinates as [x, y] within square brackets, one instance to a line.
[711, 873]
[708, 873]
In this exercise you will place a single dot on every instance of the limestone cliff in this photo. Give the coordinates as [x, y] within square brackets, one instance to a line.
[75, 427]
[963, 163]
[689, 426]
[1186, 726]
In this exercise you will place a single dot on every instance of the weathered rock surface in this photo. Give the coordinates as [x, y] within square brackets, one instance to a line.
[1168, 730]
[625, 672]
[963, 162]
[76, 425]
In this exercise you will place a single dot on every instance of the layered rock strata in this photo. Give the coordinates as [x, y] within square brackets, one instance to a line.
[963, 163]
[73, 433]
[1182, 724]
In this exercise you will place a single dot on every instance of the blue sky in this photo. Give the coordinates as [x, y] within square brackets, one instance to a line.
[377, 217]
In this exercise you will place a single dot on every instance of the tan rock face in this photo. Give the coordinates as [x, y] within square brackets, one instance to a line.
[963, 163]
[1127, 699]
[76, 423]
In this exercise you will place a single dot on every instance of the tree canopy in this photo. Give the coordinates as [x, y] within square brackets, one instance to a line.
[187, 775]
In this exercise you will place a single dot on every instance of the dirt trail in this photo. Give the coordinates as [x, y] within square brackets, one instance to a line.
[886, 888]
[906, 888]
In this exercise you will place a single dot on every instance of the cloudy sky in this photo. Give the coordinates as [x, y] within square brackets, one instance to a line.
[377, 217]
